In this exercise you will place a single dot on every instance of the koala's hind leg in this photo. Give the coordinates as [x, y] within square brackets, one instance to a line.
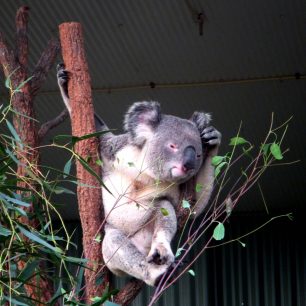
[122, 257]
[165, 229]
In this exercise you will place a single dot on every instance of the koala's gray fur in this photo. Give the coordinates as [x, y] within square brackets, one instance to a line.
[143, 169]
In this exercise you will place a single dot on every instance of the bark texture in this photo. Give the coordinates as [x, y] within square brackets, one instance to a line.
[14, 64]
[82, 122]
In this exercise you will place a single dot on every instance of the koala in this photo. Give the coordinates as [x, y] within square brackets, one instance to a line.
[143, 170]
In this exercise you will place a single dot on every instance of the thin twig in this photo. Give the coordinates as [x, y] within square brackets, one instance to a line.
[47, 126]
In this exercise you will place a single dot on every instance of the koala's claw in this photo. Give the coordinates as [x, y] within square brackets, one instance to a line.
[160, 256]
[62, 75]
[177, 266]
[211, 136]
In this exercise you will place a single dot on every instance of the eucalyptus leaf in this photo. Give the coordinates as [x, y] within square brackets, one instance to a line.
[219, 231]
[14, 133]
[27, 272]
[219, 167]
[216, 160]
[235, 141]
[14, 301]
[5, 232]
[18, 88]
[198, 187]
[185, 204]
[67, 168]
[179, 252]
[37, 239]
[276, 151]
[15, 201]
[191, 272]
[164, 211]
[108, 303]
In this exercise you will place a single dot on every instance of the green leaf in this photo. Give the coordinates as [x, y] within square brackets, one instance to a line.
[75, 139]
[67, 168]
[12, 156]
[179, 252]
[27, 272]
[164, 211]
[219, 167]
[131, 164]
[98, 238]
[198, 187]
[14, 133]
[14, 301]
[60, 190]
[219, 231]
[17, 89]
[37, 239]
[99, 162]
[243, 244]
[20, 211]
[108, 303]
[8, 79]
[191, 272]
[15, 201]
[4, 231]
[185, 204]
[76, 260]
[276, 151]
[265, 148]
[216, 160]
[235, 141]
[91, 171]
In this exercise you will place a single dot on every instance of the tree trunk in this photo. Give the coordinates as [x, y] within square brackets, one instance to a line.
[82, 122]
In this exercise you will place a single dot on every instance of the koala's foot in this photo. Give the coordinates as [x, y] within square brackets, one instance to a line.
[211, 136]
[177, 266]
[160, 255]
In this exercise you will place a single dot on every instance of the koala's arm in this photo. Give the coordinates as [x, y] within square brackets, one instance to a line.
[109, 143]
[211, 139]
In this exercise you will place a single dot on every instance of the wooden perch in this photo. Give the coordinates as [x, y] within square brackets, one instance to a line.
[82, 122]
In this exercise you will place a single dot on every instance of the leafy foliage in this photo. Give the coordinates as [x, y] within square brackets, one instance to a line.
[32, 247]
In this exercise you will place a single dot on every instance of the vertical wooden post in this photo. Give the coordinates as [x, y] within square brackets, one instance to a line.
[82, 122]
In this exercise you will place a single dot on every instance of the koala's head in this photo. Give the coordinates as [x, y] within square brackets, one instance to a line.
[172, 146]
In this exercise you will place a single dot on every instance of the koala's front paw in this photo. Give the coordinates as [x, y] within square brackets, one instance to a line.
[160, 255]
[210, 136]
[62, 75]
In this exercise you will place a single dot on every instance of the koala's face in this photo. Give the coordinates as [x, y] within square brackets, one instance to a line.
[171, 146]
[174, 152]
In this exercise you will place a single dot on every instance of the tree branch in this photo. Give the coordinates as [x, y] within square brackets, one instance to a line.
[21, 51]
[7, 59]
[44, 65]
[129, 292]
[47, 126]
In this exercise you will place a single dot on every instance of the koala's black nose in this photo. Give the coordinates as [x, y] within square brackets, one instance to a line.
[189, 158]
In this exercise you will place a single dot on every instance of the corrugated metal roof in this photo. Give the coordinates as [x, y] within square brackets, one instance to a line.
[132, 43]
[137, 42]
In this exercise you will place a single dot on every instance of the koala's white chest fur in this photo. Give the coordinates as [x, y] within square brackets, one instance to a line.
[130, 207]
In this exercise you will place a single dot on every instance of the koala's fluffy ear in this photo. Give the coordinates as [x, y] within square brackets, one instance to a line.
[141, 119]
[201, 120]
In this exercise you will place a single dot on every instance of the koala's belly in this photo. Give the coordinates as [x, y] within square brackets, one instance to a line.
[131, 205]
[125, 212]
